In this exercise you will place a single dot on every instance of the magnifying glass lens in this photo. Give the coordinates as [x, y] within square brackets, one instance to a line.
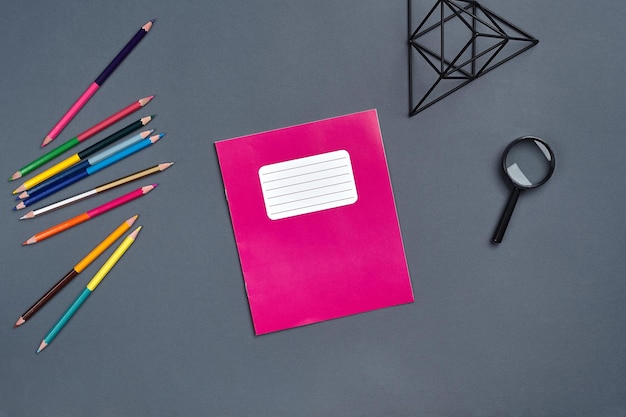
[528, 163]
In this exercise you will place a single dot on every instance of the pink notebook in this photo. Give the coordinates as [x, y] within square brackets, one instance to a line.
[315, 221]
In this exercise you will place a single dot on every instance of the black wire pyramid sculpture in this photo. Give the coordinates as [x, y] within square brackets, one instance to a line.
[459, 40]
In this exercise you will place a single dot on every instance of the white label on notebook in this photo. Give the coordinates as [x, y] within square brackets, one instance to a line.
[307, 185]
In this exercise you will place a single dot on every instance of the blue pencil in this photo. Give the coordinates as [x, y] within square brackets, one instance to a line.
[89, 171]
[84, 164]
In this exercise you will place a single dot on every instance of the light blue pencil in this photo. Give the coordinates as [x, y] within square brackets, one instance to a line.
[83, 164]
[85, 172]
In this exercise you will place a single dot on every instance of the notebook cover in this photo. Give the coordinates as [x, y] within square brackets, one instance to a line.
[327, 243]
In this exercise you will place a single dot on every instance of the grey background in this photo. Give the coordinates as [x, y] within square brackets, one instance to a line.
[533, 327]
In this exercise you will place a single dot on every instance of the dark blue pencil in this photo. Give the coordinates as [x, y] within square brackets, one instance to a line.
[84, 164]
[90, 170]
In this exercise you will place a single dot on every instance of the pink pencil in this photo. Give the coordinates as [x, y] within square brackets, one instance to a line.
[91, 90]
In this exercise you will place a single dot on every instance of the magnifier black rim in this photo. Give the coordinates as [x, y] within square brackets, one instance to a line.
[550, 169]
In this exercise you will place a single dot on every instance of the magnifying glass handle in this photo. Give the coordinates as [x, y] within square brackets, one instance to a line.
[506, 216]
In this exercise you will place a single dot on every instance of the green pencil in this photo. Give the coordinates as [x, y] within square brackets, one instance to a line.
[80, 138]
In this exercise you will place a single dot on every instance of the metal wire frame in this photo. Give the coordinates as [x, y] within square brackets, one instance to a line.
[468, 11]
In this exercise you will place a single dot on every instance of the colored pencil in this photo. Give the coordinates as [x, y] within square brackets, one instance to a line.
[49, 156]
[86, 163]
[90, 288]
[88, 215]
[93, 169]
[77, 269]
[85, 153]
[91, 90]
[95, 191]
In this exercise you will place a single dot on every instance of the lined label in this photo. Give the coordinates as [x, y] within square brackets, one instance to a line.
[307, 185]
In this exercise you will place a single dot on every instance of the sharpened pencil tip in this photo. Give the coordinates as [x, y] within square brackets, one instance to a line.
[19, 322]
[155, 138]
[42, 346]
[19, 189]
[147, 188]
[15, 176]
[30, 241]
[28, 215]
[135, 232]
[46, 141]
[132, 220]
[146, 133]
[145, 100]
[148, 25]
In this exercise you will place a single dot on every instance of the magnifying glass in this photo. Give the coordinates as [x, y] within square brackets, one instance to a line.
[528, 162]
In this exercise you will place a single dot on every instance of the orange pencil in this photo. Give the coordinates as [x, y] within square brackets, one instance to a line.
[81, 218]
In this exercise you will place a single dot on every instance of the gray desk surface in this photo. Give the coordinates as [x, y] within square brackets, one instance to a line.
[533, 327]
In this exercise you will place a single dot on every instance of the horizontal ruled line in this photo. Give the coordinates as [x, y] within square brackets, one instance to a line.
[302, 166]
[303, 174]
[311, 206]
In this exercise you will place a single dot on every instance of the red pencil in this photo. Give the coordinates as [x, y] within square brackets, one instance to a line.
[114, 118]
[81, 218]
[76, 140]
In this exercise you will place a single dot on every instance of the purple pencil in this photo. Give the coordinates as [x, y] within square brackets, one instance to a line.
[91, 90]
